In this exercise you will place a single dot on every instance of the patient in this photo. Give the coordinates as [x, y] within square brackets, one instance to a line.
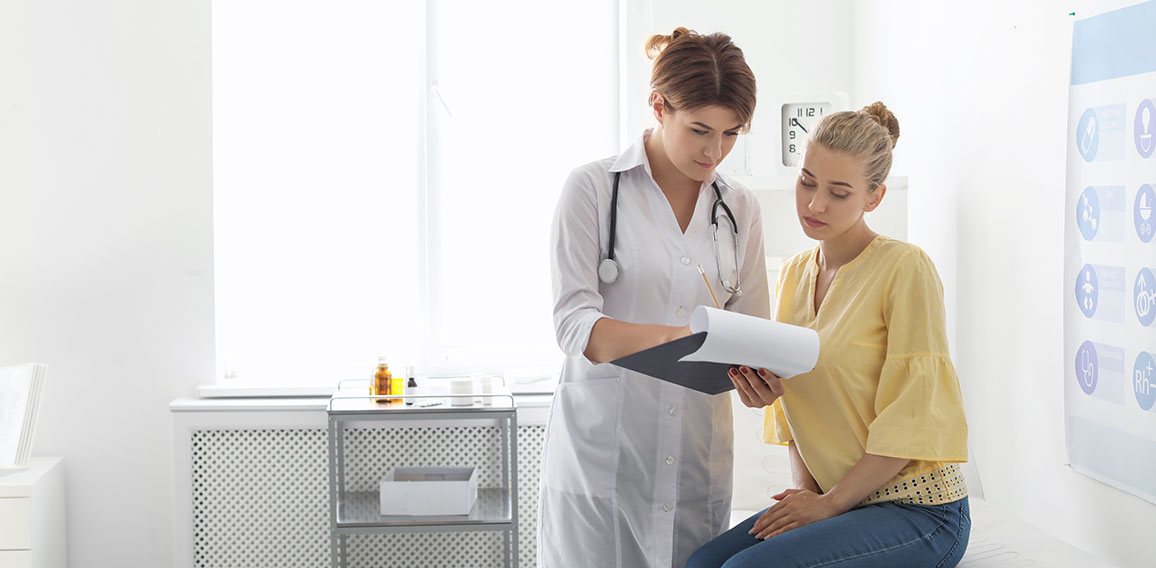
[876, 430]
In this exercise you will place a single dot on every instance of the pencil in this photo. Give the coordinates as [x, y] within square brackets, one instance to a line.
[708, 288]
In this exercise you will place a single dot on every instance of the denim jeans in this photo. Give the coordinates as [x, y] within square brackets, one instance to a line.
[887, 535]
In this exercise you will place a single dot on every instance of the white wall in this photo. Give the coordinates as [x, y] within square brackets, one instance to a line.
[106, 249]
[790, 56]
[981, 93]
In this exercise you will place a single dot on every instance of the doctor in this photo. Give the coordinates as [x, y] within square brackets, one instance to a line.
[637, 471]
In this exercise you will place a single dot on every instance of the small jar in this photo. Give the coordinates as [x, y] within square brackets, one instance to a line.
[487, 390]
[462, 387]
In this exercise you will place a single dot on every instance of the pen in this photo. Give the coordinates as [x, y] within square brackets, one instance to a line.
[708, 288]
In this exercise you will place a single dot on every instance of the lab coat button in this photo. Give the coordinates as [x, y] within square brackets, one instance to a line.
[668, 507]
[673, 411]
[681, 310]
[669, 460]
[686, 260]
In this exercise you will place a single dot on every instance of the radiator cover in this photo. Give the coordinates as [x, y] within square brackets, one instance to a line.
[260, 495]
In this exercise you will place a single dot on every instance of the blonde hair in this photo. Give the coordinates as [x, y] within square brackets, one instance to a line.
[868, 134]
[693, 71]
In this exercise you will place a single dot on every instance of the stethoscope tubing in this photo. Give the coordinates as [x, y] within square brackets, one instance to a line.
[608, 269]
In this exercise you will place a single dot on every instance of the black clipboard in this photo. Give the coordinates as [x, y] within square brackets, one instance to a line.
[662, 362]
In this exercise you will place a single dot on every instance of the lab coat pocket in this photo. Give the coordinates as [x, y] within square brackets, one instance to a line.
[581, 454]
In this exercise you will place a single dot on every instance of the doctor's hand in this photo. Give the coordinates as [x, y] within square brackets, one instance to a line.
[796, 508]
[756, 389]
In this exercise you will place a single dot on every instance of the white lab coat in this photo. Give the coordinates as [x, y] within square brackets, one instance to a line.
[637, 471]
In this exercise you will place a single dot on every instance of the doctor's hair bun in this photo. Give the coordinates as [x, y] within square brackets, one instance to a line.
[658, 42]
[693, 71]
[881, 114]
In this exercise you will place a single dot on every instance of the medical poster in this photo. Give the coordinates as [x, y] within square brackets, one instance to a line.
[1110, 253]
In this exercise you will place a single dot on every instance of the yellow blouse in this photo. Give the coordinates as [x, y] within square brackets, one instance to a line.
[884, 383]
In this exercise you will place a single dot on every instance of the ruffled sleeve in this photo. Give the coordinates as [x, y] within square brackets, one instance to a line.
[918, 405]
[775, 427]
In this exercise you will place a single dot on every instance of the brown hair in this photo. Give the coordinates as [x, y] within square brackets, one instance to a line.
[868, 134]
[693, 71]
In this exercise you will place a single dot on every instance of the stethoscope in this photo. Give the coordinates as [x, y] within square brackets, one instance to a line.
[608, 269]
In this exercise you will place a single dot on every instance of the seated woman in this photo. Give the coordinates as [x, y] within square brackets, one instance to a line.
[875, 432]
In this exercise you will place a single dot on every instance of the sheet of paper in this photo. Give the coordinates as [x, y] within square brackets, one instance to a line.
[738, 339]
[15, 387]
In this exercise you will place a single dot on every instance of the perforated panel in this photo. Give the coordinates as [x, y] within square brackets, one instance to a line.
[260, 497]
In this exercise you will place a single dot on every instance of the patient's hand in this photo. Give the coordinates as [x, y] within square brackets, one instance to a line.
[795, 508]
[756, 389]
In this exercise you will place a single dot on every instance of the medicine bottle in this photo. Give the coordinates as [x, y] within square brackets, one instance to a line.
[382, 381]
[396, 386]
[410, 384]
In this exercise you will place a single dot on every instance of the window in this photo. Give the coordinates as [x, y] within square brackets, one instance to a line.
[385, 176]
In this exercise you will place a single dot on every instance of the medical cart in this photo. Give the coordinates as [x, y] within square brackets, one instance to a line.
[358, 512]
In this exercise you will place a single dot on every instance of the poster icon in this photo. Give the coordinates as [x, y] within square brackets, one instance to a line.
[1087, 290]
[1088, 135]
[1088, 213]
[1144, 296]
[1142, 212]
[1087, 367]
[1142, 380]
[1143, 128]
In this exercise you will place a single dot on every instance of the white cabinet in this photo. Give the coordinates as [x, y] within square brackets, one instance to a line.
[32, 525]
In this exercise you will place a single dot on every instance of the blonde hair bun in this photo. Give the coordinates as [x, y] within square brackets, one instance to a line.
[881, 114]
[868, 134]
[658, 42]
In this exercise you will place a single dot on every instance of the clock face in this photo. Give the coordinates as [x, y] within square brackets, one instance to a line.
[799, 121]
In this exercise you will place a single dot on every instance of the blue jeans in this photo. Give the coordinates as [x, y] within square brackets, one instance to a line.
[887, 535]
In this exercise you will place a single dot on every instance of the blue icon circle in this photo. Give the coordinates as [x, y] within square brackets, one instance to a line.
[1144, 380]
[1088, 135]
[1144, 128]
[1087, 290]
[1144, 296]
[1142, 212]
[1087, 367]
[1088, 213]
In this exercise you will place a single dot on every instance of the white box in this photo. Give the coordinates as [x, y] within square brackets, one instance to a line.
[429, 491]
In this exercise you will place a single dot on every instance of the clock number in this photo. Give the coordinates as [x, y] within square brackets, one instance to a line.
[799, 120]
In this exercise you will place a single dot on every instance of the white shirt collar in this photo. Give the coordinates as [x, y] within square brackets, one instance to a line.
[635, 156]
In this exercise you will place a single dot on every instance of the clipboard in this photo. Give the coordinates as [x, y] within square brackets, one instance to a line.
[721, 340]
[663, 362]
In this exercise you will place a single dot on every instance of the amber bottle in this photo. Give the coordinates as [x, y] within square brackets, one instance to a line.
[382, 381]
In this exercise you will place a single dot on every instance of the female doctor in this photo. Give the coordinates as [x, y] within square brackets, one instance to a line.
[637, 471]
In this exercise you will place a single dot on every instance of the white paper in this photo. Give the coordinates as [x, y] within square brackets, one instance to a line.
[738, 339]
[15, 388]
[32, 411]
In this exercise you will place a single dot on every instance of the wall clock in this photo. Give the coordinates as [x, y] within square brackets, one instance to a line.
[798, 119]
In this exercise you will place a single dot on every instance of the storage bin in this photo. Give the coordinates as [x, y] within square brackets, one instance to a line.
[429, 491]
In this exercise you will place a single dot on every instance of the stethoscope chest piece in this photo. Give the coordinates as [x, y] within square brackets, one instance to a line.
[608, 271]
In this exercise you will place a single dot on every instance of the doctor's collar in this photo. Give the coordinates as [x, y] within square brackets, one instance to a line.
[635, 156]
